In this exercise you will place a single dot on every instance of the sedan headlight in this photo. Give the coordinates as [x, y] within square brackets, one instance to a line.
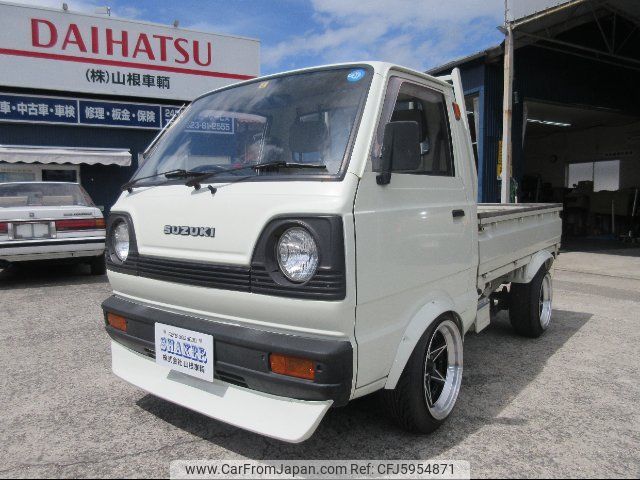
[120, 241]
[297, 253]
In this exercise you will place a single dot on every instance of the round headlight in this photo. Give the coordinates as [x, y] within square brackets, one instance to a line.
[120, 241]
[297, 254]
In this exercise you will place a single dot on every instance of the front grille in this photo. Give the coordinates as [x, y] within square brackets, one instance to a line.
[324, 286]
[185, 272]
[130, 267]
[193, 273]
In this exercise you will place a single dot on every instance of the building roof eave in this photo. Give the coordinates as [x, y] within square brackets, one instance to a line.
[487, 54]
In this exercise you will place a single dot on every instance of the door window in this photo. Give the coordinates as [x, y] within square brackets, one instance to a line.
[472, 104]
[16, 176]
[36, 172]
[54, 175]
[428, 109]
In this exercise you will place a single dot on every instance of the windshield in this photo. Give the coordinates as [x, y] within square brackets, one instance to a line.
[43, 195]
[299, 118]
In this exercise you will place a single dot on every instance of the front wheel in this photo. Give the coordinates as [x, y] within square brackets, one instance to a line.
[531, 304]
[430, 383]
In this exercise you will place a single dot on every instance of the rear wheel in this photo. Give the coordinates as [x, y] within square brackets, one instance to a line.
[531, 304]
[429, 386]
[98, 266]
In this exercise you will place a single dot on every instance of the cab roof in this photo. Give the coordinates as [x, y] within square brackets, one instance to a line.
[380, 68]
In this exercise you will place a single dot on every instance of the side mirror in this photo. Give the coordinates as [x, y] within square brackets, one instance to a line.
[400, 149]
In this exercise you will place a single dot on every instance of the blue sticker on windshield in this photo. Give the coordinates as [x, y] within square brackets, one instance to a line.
[356, 75]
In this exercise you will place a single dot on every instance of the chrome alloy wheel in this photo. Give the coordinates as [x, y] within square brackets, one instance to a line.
[443, 370]
[545, 301]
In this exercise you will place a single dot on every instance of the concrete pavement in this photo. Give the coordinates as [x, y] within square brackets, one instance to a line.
[562, 405]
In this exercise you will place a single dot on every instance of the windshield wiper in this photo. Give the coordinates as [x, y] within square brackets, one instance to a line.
[283, 164]
[175, 173]
[199, 177]
[196, 177]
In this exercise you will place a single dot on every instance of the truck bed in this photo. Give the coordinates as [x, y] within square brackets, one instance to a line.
[509, 234]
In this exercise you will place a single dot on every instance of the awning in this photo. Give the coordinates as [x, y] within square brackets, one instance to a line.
[75, 156]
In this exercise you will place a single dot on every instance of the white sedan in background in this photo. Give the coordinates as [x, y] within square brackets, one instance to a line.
[53, 221]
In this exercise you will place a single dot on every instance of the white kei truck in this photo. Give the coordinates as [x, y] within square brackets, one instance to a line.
[296, 241]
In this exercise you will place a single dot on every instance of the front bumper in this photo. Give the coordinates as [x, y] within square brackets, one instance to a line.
[241, 362]
[277, 417]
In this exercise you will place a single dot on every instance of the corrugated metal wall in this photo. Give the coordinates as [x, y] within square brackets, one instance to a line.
[485, 80]
[492, 132]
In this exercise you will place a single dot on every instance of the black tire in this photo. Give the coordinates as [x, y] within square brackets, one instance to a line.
[98, 266]
[406, 403]
[524, 306]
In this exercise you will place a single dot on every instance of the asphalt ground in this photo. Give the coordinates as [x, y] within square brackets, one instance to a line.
[567, 404]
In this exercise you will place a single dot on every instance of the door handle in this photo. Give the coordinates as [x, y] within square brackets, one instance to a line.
[458, 213]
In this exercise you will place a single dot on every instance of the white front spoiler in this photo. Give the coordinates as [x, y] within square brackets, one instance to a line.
[277, 417]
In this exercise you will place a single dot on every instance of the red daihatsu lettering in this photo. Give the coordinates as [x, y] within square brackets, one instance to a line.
[122, 43]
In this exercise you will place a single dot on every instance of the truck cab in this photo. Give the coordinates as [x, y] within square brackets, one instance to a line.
[297, 241]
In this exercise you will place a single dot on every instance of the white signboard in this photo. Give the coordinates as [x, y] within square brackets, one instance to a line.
[57, 50]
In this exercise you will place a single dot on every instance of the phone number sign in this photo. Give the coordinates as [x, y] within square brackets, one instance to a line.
[220, 125]
[68, 111]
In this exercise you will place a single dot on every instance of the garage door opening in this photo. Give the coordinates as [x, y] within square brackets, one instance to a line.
[589, 160]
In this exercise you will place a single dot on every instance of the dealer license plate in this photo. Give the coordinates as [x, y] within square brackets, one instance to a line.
[184, 351]
[31, 230]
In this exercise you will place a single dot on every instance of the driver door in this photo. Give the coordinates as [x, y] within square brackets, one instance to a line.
[414, 236]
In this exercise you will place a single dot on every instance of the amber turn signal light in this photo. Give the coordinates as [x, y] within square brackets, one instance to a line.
[456, 111]
[292, 366]
[117, 322]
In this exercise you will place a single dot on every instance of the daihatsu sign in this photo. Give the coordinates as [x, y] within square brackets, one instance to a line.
[60, 50]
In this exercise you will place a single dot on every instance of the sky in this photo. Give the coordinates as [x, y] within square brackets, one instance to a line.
[418, 34]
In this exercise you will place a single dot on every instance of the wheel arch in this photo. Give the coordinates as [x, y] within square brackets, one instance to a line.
[439, 305]
[526, 274]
